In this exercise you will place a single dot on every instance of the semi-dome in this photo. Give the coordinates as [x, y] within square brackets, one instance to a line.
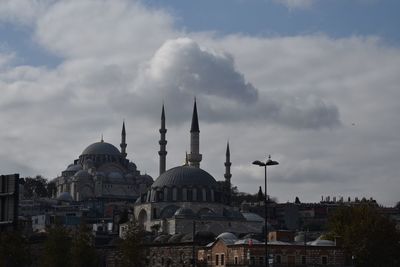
[82, 174]
[185, 176]
[101, 148]
[65, 196]
[115, 176]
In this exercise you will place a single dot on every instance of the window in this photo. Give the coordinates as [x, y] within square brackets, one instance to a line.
[324, 260]
[278, 259]
[252, 260]
[222, 259]
[236, 260]
[261, 261]
[216, 259]
[303, 260]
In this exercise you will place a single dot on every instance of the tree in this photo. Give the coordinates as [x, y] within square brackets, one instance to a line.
[14, 250]
[83, 253]
[260, 195]
[131, 247]
[57, 248]
[367, 235]
[51, 189]
[36, 187]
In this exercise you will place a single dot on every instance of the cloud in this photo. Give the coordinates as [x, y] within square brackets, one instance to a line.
[110, 30]
[180, 70]
[24, 12]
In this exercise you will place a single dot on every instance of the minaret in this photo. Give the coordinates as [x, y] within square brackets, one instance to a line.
[163, 143]
[228, 174]
[194, 157]
[123, 141]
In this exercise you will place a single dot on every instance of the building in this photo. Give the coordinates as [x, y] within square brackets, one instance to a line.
[9, 194]
[228, 250]
[187, 198]
[103, 172]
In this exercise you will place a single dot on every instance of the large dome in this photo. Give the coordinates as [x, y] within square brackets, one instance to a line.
[101, 148]
[185, 176]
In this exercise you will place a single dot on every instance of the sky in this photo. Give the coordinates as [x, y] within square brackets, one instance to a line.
[314, 83]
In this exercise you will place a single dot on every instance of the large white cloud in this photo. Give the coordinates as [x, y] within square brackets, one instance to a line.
[280, 95]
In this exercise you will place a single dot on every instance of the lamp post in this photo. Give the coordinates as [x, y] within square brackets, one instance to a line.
[269, 162]
[193, 245]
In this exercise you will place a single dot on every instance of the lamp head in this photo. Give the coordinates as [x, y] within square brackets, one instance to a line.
[259, 163]
[271, 162]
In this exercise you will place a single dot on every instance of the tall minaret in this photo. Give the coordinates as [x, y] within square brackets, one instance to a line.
[123, 141]
[228, 174]
[194, 157]
[163, 143]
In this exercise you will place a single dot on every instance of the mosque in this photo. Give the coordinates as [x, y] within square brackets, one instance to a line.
[102, 172]
[187, 197]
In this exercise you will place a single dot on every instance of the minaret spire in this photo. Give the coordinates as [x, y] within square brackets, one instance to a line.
[123, 141]
[163, 143]
[228, 174]
[195, 157]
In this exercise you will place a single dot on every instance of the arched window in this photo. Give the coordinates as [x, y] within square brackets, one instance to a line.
[174, 194]
[142, 218]
[204, 198]
[184, 194]
[194, 194]
[189, 193]
[166, 194]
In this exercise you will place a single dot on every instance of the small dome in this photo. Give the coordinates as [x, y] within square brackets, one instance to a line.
[65, 196]
[186, 212]
[232, 214]
[228, 238]
[163, 238]
[252, 217]
[147, 178]
[73, 168]
[185, 176]
[176, 238]
[101, 148]
[227, 235]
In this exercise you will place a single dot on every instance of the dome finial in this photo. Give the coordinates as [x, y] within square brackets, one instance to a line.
[102, 139]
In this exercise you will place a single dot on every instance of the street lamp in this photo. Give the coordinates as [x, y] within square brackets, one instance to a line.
[269, 162]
